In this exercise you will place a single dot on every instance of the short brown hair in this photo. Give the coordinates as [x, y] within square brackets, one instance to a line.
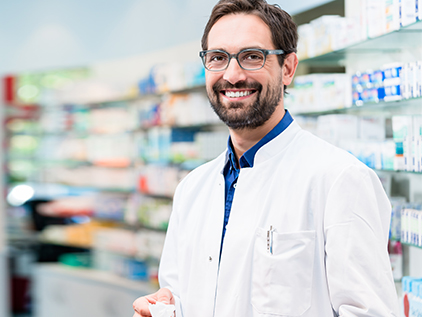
[283, 29]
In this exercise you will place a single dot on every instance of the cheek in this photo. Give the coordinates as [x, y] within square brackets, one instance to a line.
[211, 79]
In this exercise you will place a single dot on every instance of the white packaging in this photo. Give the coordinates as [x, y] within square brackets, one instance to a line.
[408, 12]
[372, 128]
[401, 127]
[417, 143]
[376, 17]
[403, 237]
[334, 128]
[420, 228]
[356, 11]
[419, 9]
[407, 153]
[419, 75]
[325, 28]
[305, 44]
[388, 153]
[413, 83]
[392, 15]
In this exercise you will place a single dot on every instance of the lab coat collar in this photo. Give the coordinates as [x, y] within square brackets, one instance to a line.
[268, 150]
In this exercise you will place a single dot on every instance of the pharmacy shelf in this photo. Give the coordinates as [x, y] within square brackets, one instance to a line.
[393, 42]
[412, 245]
[413, 105]
[398, 171]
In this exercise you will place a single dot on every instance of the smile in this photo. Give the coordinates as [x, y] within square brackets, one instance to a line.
[237, 93]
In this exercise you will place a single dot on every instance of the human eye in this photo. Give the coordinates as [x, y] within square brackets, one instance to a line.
[253, 56]
[216, 57]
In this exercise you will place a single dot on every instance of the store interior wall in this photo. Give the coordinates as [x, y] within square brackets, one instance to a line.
[49, 34]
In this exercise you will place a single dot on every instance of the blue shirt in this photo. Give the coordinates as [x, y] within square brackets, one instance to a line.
[231, 170]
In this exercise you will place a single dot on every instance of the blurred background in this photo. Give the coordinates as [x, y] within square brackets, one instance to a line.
[104, 111]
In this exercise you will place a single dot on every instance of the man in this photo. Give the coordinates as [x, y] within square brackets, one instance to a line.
[282, 223]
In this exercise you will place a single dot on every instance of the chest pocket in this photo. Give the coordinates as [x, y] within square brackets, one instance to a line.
[282, 281]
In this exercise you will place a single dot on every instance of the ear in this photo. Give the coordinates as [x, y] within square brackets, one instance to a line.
[289, 68]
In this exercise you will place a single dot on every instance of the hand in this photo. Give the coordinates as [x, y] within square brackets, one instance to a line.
[141, 305]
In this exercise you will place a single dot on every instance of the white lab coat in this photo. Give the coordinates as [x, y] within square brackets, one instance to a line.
[331, 219]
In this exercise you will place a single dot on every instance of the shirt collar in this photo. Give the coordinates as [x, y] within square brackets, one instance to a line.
[247, 159]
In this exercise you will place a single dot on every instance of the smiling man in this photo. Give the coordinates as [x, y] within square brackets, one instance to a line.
[281, 223]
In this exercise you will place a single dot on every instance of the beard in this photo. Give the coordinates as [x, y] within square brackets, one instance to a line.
[240, 115]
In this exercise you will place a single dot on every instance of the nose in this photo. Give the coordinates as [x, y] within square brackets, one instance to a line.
[234, 73]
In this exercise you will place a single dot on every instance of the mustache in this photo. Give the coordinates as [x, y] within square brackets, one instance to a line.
[223, 85]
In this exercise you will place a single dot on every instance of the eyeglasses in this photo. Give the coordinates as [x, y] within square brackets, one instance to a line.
[248, 59]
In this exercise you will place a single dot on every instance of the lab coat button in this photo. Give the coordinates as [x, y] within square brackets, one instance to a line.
[210, 259]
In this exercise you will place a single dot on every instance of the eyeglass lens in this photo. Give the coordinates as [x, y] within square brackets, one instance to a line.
[250, 59]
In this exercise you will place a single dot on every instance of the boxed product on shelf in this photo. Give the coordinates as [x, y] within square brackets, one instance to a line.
[186, 110]
[408, 9]
[372, 128]
[177, 76]
[338, 126]
[325, 34]
[411, 225]
[376, 17]
[407, 133]
[411, 80]
[159, 180]
[392, 15]
[412, 296]
[397, 205]
[364, 137]
[319, 92]
[394, 81]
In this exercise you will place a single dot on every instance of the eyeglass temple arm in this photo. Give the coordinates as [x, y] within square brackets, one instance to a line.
[275, 52]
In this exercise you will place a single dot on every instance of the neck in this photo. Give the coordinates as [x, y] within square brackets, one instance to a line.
[244, 139]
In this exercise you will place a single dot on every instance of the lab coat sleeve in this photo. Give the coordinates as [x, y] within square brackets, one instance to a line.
[356, 228]
[168, 271]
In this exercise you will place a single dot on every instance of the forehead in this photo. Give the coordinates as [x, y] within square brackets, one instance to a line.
[237, 31]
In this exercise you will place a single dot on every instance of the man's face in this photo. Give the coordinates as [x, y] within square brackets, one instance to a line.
[260, 91]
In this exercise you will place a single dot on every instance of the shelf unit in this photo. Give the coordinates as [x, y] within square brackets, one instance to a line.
[389, 44]
[384, 108]
[403, 45]
[142, 213]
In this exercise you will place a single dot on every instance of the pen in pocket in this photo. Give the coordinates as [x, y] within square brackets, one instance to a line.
[270, 240]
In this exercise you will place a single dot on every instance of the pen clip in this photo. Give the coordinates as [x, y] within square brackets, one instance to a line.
[270, 240]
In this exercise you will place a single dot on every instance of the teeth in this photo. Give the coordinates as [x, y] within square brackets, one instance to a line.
[238, 94]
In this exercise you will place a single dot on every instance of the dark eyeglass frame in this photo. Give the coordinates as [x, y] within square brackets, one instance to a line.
[202, 54]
